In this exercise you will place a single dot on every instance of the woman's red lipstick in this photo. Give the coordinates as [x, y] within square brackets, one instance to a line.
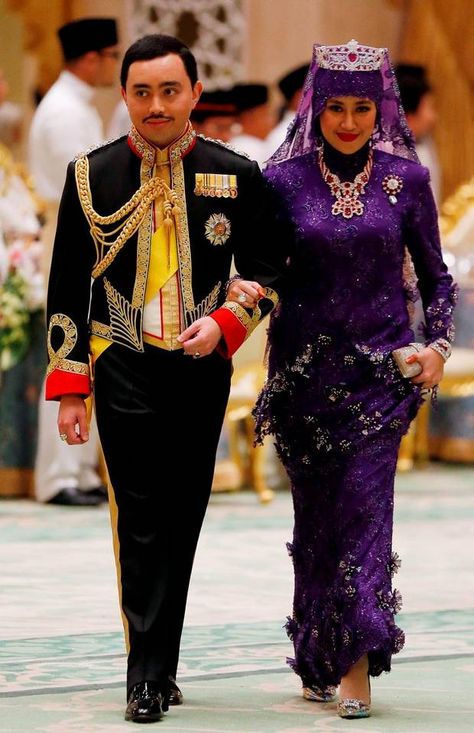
[347, 137]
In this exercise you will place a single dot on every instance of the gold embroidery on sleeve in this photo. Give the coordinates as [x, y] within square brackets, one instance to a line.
[57, 359]
[247, 321]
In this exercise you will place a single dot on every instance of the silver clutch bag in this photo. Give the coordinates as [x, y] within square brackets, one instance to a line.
[400, 355]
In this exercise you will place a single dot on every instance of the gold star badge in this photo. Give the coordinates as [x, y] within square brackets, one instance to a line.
[217, 229]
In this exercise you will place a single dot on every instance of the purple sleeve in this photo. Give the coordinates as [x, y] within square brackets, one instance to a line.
[437, 289]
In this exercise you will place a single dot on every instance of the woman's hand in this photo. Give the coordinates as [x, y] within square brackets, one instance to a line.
[432, 365]
[245, 292]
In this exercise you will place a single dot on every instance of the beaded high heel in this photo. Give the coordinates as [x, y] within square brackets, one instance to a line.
[351, 708]
[314, 693]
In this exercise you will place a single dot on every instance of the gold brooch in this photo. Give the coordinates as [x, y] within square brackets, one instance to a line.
[219, 185]
[217, 229]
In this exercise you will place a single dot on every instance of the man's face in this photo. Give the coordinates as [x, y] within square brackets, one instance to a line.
[422, 122]
[107, 66]
[160, 97]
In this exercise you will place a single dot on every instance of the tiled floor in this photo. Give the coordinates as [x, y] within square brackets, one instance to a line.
[61, 649]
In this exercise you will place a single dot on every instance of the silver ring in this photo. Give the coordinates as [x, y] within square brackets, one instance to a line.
[63, 436]
[197, 355]
[242, 298]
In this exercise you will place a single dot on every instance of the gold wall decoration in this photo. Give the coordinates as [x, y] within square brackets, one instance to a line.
[438, 34]
[40, 38]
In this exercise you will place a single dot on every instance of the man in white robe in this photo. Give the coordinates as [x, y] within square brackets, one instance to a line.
[65, 124]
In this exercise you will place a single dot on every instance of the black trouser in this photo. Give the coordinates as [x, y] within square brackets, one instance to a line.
[159, 415]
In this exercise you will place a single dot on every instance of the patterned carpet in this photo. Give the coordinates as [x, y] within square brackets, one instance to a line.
[61, 648]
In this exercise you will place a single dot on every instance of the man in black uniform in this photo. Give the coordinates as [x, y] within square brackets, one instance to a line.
[153, 221]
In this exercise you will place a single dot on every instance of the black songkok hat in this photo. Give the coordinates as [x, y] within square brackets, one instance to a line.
[248, 96]
[294, 80]
[87, 34]
[217, 103]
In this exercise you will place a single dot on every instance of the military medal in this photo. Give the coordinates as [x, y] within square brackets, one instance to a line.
[219, 185]
[217, 229]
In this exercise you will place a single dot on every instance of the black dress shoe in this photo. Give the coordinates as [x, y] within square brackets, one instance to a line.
[74, 497]
[99, 491]
[175, 696]
[145, 703]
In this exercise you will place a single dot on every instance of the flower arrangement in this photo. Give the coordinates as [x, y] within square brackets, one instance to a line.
[21, 295]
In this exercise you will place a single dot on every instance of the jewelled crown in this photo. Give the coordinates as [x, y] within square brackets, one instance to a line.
[350, 57]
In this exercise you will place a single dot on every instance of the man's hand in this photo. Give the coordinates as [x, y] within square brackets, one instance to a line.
[72, 420]
[201, 338]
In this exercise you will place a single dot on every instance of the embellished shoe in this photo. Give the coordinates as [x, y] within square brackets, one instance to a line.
[348, 708]
[353, 708]
[313, 693]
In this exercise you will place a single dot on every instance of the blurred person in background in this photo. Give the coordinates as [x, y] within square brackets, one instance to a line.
[418, 101]
[291, 87]
[256, 119]
[65, 124]
[215, 114]
[22, 347]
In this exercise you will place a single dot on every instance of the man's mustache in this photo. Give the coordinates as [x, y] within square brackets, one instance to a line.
[157, 117]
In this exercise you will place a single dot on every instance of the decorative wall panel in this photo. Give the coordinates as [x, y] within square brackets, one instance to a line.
[213, 29]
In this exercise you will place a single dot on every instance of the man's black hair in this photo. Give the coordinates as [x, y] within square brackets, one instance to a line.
[413, 84]
[154, 46]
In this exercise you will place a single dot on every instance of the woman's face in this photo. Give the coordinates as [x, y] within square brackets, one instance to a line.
[348, 122]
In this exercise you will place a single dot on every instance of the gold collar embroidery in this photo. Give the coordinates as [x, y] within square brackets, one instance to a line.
[178, 149]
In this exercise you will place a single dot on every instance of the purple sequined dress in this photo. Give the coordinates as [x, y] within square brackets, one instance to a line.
[337, 405]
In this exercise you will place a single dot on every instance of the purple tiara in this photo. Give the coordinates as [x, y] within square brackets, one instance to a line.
[350, 57]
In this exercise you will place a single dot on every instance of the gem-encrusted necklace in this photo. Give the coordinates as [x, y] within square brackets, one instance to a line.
[347, 193]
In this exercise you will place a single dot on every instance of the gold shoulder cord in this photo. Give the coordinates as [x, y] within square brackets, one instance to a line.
[134, 210]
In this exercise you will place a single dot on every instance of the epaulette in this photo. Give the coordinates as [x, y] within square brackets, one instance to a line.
[96, 147]
[225, 145]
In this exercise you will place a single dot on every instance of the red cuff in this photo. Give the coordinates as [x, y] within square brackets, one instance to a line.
[233, 332]
[60, 383]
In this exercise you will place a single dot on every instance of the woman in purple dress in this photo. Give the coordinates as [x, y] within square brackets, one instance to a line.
[360, 214]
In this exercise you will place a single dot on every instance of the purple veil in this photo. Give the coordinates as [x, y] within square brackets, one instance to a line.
[349, 70]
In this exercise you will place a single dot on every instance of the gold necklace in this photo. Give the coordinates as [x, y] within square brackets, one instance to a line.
[347, 193]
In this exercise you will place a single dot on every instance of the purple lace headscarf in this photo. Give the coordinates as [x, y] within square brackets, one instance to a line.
[349, 70]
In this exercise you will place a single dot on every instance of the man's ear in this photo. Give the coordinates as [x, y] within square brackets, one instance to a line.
[197, 91]
[124, 94]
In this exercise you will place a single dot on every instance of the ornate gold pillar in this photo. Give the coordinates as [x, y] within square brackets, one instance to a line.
[438, 34]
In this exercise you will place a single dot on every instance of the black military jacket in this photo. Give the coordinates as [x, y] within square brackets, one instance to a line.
[223, 211]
